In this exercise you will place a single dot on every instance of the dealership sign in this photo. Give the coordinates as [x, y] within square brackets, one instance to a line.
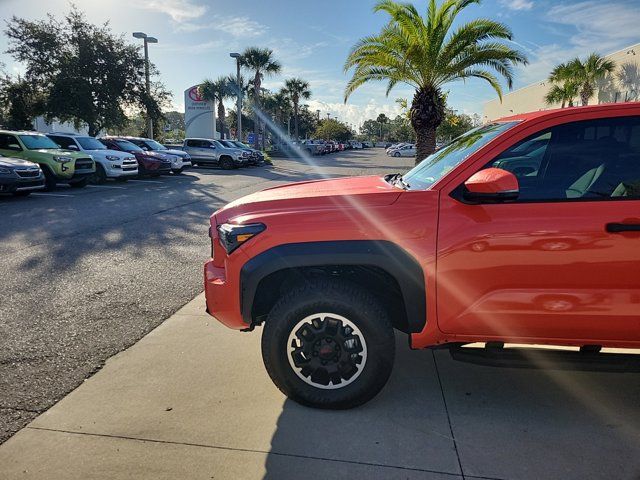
[198, 115]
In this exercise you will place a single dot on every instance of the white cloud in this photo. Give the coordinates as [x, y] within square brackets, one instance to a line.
[517, 4]
[354, 114]
[236, 26]
[178, 10]
[588, 26]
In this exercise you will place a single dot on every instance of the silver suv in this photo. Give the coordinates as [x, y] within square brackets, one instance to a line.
[207, 151]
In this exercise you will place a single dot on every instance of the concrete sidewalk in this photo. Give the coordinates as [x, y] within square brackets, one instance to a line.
[192, 400]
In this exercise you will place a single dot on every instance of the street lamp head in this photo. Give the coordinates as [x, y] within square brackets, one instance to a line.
[152, 40]
[139, 35]
[234, 55]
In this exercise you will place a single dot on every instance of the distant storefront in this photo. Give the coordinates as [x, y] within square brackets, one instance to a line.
[622, 86]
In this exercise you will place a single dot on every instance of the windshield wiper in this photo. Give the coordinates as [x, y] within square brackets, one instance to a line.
[397, 180]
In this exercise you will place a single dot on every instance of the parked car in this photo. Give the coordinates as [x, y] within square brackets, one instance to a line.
[180, 160]
[149, 163]
[20, 177]
[313, 147]
[58, 166]
[395, 145]
[548, 257]
[255, 156]
[407, 150]
[205, 151]
[109, 163]
[356, 145]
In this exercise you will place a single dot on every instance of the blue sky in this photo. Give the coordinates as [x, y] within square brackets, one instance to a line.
[311, 38]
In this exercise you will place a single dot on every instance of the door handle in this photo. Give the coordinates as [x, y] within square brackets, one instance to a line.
[623, 227]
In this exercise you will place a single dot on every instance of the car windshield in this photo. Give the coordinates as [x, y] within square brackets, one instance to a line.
[35, 142]
[153, 145]
[241, 145]
[127, 146]
[227, 144]
[438, 164]
[90, 143]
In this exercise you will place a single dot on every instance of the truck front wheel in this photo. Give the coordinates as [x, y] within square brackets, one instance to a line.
[329, 344]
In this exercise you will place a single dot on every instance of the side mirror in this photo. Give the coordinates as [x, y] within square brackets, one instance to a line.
[492, 185]
[15, 147]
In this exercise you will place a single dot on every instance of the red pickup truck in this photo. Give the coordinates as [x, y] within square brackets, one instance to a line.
[523, 230]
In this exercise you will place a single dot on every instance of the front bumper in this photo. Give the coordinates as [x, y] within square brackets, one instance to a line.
[16, 184]
[223, 296]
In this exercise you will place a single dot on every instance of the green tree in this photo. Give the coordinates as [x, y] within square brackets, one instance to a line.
[587, 73]
[453, 125]
[20, 103]
[427, 53]
[217, 91]
[564, 88]
[296, 89]
[370, 128]
[260, 62]
[85, 73]
[330, 129]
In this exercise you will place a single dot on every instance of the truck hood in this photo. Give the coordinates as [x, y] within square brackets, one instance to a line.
[343, 193]
[177, 153]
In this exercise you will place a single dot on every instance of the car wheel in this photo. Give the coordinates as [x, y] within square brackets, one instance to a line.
[50, 180]
[328, 344]
[21, 194]
[396, 154]
[226, 163]
[80, 183]
[178, 171]
[100, 176]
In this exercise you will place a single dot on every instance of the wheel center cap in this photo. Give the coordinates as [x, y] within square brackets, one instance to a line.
[326, 352]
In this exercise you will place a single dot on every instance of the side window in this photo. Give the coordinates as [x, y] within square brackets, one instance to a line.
[587, 160]
[64, 142]
[8, 142]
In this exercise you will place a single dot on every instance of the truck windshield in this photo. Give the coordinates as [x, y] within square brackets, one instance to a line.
[90, 143]
[227, 144]
[240, 145]
[153, 145]
[36, 142]
[439, 163]
[127, 146]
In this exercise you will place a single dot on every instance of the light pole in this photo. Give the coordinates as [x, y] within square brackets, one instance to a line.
[318, 112]
[239, 102]
[328, 115]
[147, 40]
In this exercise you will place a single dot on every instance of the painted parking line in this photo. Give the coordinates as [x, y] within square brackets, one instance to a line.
[106, 186]
[52, 195]
[145, 181]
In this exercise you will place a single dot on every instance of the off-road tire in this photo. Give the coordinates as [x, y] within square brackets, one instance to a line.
[227, 163]
[50, 180]
[344, 299]
[100, 176]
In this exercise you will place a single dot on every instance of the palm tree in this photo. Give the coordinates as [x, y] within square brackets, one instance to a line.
[564, 87]
[260, 62]
[427, 53]
[587, 74]
[296, 89]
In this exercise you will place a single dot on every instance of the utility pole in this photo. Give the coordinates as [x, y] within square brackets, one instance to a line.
[318, 112]
[239, 96]
[147, 40]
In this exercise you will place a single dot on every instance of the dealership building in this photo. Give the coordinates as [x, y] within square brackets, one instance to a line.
[622, 86]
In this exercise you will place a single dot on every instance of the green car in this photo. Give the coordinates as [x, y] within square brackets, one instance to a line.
[59, 166]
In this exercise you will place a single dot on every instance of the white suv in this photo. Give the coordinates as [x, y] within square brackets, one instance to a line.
[109, 163]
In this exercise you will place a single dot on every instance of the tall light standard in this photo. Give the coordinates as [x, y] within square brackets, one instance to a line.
[239, 96]
[318, 112]
[147, 39]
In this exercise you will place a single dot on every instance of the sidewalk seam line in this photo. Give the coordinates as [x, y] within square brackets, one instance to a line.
[248, 450]
[446, 409]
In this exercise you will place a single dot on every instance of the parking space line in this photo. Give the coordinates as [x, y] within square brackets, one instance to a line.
[106, 186]
[52, 194]
[145, 181]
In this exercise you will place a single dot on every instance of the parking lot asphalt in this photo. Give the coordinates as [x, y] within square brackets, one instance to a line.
[86, 273]
[193, 400]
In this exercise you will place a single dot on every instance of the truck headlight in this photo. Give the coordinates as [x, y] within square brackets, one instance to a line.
[232, 236]
[60, 159]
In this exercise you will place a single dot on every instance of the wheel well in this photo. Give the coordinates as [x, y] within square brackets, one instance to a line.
[228, 157]
[376, 280]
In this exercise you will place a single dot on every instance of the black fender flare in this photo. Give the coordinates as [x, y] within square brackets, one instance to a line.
[382, 254]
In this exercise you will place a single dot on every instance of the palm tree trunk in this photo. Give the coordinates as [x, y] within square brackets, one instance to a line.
[221, 117]
[256, 120]
[585, 94]
[295, 119]
[427, 112]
